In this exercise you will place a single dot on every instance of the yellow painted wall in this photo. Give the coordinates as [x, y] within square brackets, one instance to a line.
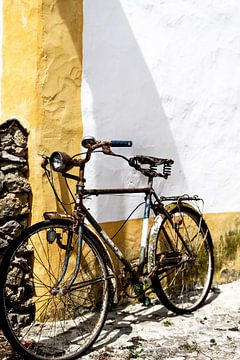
[20, 56]
[42, 64]
[225, 231]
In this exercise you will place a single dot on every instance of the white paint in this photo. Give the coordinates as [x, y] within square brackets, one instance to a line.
[144, 232]
[165, 74]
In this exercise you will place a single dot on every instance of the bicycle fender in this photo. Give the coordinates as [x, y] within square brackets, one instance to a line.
[171, 206]
[154, 232]
[153, 235]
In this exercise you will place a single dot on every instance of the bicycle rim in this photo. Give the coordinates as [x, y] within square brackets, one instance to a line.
[185, 272]
[43, 320]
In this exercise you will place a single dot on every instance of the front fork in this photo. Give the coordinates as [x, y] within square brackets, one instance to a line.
[69, 250]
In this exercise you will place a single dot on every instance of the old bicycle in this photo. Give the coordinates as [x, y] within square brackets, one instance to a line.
[57, 306]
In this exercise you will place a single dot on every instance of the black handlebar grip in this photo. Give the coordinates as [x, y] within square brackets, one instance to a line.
[121, 143]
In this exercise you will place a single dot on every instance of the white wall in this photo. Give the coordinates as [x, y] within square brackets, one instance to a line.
[165, 74]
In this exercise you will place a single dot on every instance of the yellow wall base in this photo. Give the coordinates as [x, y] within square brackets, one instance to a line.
[225, 231]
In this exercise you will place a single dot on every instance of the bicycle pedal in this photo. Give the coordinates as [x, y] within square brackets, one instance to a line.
[145, 300]
[148, 301]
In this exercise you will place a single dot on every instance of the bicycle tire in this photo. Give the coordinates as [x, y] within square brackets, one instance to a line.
[183, 281]
[62, 324]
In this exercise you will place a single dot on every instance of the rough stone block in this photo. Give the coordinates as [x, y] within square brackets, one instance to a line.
[10, 230]
[15, 182]
[13, 205]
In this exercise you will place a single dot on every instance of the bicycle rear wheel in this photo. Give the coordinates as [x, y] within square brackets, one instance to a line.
[185, 272]
[41, 315]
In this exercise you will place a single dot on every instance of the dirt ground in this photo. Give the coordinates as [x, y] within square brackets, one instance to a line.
[139, 332]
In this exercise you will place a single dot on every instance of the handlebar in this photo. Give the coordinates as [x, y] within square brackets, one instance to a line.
[62, 162]
[121, 143]
[90, 141]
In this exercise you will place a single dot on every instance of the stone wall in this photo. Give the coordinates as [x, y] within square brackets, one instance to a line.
[14, 187]
[14, 209]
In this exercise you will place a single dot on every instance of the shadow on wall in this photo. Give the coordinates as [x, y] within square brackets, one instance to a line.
[120, 100]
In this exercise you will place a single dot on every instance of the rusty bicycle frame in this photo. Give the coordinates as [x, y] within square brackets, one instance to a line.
[152, 202]
[67, 303]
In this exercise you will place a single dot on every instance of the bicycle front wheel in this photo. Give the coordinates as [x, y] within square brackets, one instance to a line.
[184, 259]
[47, 312]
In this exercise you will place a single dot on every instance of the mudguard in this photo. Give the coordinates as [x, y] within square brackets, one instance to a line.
[154, 231]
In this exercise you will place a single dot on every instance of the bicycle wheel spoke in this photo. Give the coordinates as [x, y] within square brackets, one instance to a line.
[203, 242]
[40, 258]
[75, 322]
[28, 329]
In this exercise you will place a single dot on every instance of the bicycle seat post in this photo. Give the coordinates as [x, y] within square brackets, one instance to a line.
[150, 181]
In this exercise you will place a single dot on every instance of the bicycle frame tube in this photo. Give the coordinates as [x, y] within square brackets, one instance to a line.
[144, 238]
[148, 242]
[147, 191]
[106, 239]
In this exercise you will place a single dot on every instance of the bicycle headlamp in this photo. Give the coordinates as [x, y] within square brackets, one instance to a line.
[60, 161]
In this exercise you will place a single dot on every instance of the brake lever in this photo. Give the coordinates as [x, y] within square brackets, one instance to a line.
[45, 161]
[106, 149]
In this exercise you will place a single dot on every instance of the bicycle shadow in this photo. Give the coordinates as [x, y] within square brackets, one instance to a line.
[215, 292]
[122, 319]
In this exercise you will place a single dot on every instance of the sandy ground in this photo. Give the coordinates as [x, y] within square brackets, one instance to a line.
[139, 332]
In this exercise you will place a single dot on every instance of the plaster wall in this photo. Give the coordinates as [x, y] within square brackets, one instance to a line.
[42, 56]
[164, 74]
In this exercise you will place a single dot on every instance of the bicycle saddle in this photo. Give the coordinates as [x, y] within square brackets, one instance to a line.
[150, 160]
